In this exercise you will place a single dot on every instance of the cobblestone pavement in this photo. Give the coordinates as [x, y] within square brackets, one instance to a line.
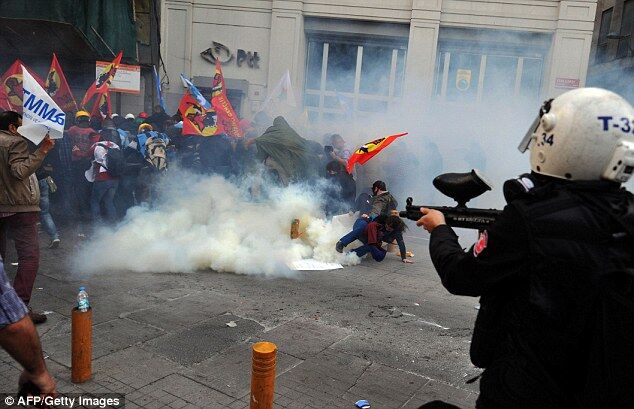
[386, 332]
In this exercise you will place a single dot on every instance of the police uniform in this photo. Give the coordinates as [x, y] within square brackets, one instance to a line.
[555, 274]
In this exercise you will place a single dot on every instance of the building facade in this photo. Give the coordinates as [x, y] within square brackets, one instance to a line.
[612, 55]
[80, 33]
[364, 55]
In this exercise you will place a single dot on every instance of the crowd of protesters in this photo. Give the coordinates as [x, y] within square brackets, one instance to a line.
[100, 169]
[103, 167]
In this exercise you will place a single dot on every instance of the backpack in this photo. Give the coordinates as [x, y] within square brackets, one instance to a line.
[155, 152]
[115, 163]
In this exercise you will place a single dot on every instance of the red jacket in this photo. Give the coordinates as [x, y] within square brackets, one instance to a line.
[81, 141]
[374, 233]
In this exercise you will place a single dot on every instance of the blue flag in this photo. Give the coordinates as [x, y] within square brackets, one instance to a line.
[159, 91]
[195, 93]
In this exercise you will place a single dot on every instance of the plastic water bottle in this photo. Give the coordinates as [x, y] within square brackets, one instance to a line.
[82, 300]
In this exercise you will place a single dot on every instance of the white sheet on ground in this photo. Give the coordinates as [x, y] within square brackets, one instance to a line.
[310, 264]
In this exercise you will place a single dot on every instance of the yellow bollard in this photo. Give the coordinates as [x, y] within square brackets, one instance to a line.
[81, 346]
[263, 375]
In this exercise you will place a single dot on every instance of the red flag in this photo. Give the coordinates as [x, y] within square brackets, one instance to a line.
[4, 100]
[57, 87]
[227, 117]
[11, 82]
[369, 150]
[197, 120]
[102, 83]
[102, 108]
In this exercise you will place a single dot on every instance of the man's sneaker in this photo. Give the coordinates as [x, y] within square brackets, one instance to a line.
[339, 247]
[54, 244]
[37, 317]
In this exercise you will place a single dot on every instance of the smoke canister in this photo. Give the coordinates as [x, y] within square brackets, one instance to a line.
[295, 229]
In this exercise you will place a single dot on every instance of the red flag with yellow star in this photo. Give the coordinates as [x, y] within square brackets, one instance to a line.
[196, 119]
[103, 107]
[11, 83]
[101, 84]
[57, 87]
[369, 150]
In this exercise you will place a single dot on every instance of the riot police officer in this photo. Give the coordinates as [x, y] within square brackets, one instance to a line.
[555, 272]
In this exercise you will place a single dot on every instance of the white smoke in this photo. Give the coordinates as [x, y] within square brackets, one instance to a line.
[211, 223]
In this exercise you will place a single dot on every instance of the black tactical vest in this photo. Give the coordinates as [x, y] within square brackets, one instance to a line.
[572, 314]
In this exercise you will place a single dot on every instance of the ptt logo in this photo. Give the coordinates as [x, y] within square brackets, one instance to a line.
[43, 109]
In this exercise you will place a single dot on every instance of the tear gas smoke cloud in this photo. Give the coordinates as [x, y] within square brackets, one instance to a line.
[456, 134]
[210, 223]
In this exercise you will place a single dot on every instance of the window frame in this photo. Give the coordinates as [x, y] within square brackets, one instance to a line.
[356, 97]
[602, 49]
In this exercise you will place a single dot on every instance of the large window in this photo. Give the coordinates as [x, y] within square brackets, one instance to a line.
[346, 78]
[602, 42]
[627, 24]
[489, 70]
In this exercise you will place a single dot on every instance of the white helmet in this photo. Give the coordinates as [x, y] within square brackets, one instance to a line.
[583, 134]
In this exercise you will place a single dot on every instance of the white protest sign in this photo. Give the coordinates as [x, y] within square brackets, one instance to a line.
[40, 115]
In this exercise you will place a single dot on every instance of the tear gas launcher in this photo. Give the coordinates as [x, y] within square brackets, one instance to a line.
[461, 187]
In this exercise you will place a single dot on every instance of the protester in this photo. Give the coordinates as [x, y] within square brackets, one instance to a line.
[47, 187]
[342, 188]
[158, 118]
[105, 180]
[19, 205]
[109, 131]
[63, 176]
[383, 230]
[154, 167]
[186, 146]
[340, 152]
[82, 138]
[145, 132]
[141, 118]
[19, 339]
[382, 203]
[133, 162]
[95, 123]
[130, 121]
[216, 155]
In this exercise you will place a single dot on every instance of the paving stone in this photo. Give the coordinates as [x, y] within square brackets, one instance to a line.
[322, 380]
[56, 325]
[386, 387]
[190, 391]
[134, 367]
[125, 332]
[204, 340]
[304, 338]
[439, 391]
[184, 312]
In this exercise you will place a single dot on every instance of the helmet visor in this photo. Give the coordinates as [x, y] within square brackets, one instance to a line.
[526, 141]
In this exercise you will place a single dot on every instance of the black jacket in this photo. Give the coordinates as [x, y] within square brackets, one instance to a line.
[555, 272]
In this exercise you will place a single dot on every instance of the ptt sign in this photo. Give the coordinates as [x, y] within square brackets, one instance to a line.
[222, 53]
